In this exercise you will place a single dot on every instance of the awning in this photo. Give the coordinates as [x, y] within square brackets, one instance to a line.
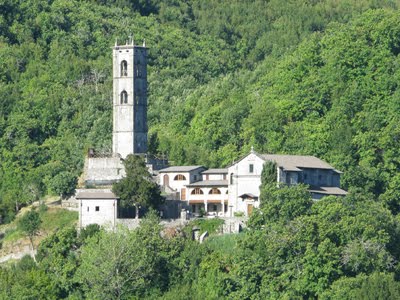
[196, 201]
[214, 201]
[248, 196]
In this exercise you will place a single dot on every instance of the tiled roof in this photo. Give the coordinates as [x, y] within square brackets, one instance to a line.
[180, 169]
[294, 162]
[215, 171]
[209, 183]
[331, 190]
[95, 194]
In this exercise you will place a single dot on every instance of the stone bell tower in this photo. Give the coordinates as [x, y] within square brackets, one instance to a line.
[129, 99]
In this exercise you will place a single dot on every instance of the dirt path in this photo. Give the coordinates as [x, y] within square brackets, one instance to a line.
[17, 255]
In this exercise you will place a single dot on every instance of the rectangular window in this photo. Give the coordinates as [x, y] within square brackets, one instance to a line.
[88, 208]
[97, 208]
[215, 207]
[251, 168]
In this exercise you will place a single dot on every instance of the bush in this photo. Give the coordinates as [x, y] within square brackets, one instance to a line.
[43, 208]
[63, 184]
[89, 231]
[209, 225]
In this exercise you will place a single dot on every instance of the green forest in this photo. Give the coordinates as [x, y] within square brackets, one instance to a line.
[310, 77]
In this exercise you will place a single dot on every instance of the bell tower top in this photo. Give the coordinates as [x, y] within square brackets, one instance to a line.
[129, 99]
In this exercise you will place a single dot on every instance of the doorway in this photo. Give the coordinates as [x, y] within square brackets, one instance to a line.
[249, 209]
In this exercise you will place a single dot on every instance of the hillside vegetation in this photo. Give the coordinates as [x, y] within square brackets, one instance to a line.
[309, 77]
[296, 77]
[14, 240]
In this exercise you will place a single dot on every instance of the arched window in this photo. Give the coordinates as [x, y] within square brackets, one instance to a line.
[124, 97]
[214, 191]
[231, 179]
[197, 191]
[124, 68]
[179, 177]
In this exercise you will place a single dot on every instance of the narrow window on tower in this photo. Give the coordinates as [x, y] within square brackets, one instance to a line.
[124, 68]
[124, 97]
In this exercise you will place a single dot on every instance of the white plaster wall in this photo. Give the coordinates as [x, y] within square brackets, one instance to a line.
[175, 184]
[214, 177]
[106, 215]
[179, 184]
[244, 182]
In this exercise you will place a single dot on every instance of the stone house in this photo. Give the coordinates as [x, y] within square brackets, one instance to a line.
[322, 178]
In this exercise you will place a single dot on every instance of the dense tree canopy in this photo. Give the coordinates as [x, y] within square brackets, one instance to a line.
[137, 188]
[291, 77]
[223, 76]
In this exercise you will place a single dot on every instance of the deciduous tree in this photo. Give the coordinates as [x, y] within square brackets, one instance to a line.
[137, 188]
[29, 223]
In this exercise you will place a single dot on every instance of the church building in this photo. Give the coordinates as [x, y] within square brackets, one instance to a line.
[225, 192]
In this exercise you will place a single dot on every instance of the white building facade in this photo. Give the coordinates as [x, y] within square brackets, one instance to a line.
[97, 206]
[244, 184]
[235, 190]
[210, 195]
[176, 179]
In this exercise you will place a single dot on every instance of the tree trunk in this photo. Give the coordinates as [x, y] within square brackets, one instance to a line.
[33, 248]
[137, 211]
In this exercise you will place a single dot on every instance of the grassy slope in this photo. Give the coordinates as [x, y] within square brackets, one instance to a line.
[53, 219]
